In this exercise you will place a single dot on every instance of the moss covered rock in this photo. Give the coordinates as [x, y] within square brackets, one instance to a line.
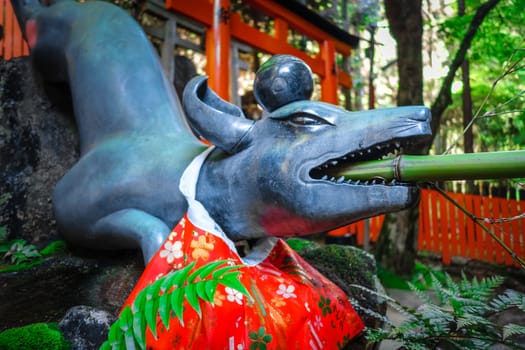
[347, 267]
[34, 336]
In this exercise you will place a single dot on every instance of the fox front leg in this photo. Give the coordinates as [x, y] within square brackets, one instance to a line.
[132, 226]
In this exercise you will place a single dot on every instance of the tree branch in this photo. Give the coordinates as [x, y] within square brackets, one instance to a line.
[444, 98]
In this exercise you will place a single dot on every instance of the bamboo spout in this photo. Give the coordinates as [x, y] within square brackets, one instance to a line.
[469, 166]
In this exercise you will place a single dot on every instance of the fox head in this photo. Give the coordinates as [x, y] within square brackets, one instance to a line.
[268, 177]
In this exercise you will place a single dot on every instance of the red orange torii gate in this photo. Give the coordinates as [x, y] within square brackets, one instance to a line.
[223, 25]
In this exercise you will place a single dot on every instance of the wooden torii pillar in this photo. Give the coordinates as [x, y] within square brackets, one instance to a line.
[218, 49]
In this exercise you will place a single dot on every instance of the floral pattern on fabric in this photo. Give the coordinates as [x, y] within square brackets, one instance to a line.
[292, 306]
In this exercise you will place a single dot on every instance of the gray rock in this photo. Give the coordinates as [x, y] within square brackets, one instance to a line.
[85, 327]
[38, 144]
[45, 292]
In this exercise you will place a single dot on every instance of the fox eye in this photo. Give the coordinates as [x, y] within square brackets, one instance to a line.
[305, 119]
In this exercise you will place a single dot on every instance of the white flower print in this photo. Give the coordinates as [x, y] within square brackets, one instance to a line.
[171, 251]
[286, 291]
[233, 295]
[318, 322]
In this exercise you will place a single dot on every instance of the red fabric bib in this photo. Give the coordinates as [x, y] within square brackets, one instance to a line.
[293, 306]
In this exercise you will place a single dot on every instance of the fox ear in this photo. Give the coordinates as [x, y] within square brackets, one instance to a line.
[220, 122]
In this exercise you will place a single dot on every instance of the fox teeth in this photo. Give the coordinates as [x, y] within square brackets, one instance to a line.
[378, 151]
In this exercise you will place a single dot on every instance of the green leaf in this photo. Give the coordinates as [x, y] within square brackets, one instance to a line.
[138, 303]
[115, 336]
[205, 270]
[261, 331]
[232, 281]
[126, 326]
[200, 288]
[177, 303]
[139, 329]
[150, 311]
[210, 288]
[129, 340]
[191, 296]
[125, 318]
[180, 276]
[217, 274]
[54, 248]
[165, 310]
[168, 282]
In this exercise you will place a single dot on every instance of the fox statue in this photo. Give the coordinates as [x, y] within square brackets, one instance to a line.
[263, 178]
[259, 179]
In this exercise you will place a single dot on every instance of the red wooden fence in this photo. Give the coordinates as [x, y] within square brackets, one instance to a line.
[11, 43]
[447, 231]
[358, 228]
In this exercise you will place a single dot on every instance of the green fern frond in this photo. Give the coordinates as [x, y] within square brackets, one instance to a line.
[465, 305]
[470, 343]
[452, 285]
[420, 293]
[441, 293]
[165, 297]
[436, 318]
[415, 346]
[511, 329]
[486, 288]
[376, 334]
[458, 317]
[473, 321]
[508, 299]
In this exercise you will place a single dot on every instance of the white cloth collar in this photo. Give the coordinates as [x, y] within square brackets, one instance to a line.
[200, 217]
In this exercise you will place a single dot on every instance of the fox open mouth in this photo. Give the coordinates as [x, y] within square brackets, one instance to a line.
[331, 171]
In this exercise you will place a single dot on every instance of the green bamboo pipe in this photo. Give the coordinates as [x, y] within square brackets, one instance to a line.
[469, 166]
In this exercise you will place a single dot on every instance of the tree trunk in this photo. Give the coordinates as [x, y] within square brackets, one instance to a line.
[396, 248]
[468, 136]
